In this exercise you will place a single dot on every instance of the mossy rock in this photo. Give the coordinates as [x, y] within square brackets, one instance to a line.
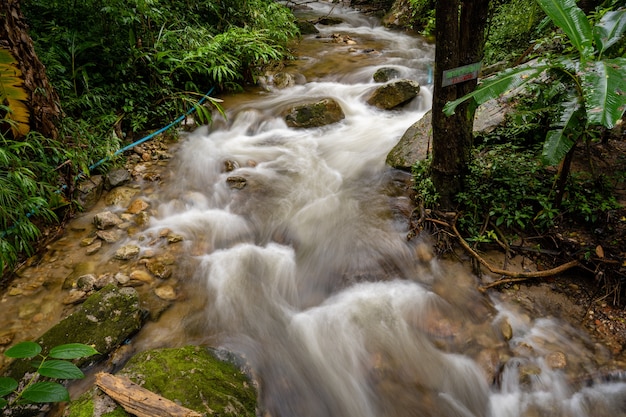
[192, 376]
[105, 320]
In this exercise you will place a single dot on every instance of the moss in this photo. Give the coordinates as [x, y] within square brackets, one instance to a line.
[105, 321]
[195, 378]
[83, 407]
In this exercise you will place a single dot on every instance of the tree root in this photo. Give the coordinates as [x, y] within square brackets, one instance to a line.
[513, 276]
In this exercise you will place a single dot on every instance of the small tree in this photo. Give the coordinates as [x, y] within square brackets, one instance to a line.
[596, 85]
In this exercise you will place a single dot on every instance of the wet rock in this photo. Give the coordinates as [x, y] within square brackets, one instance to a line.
[75, 296]
[166, 292]
[89, 191]
[330, 20]
[194, 377]
[106, 220]
[556, 360]
[141, 275]
[230, 165]
[394, 94]
[88, 240]
[110, 236]
[80, 269]
[385, 74]
[120, 196]
[86, 282]
[105, 320]
[174, 238]
[121, 278]
[236, 182]
[116, 178]
[505, 329]
[307, 28]
[314, 114]
[137, 206]
[104, 280]
[127, 252]
[413, 145]
[142, 219]
[159, 269]
[94, 247]
[283, 80]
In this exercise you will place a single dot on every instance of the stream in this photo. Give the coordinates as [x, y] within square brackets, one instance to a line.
[306, 271]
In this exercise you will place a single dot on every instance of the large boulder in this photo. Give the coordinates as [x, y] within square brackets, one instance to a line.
[413, 145]
[394, 94]
[197, 378]
[314, 114]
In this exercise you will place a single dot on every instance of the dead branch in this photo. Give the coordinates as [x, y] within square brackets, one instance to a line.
[514, 276]
[138, 400]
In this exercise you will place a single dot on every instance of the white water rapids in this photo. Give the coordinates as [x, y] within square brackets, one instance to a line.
[307, 272]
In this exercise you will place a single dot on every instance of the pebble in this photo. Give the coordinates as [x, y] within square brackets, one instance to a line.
[166, 292]
[127, 252]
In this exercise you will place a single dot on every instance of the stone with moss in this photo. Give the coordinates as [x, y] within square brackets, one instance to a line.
[195, 377]
[105, 320]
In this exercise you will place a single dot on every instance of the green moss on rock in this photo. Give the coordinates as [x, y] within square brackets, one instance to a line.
[195, 378]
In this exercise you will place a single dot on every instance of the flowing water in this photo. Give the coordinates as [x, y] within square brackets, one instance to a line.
[307, 273]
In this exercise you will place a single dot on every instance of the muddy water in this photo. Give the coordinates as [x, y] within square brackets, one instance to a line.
[306, 271]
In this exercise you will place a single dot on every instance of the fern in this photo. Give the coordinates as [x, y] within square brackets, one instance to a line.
[13, 95]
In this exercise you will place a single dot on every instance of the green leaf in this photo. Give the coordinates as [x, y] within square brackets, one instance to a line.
[60, 369]
[23, 350]
[559, 141]
[604, 87]
[497, 85]
[572, 20]
[3, 402]
[7, 386]
[72, 351]
[46, 392]
[609, 29]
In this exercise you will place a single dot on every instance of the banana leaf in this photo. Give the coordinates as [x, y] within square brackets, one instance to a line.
[572, 20]
[559, 141]
[497, 85]
[13, 94]
[604, 87]
[609, 29]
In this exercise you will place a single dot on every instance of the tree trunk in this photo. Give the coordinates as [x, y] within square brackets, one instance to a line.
[43, 101]
[459, 33]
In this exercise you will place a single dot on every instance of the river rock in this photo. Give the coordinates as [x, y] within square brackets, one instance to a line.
[127, 252]
[307, 28]
[159, 269]
[110, 236]
[116, 178]
[80, 269]
[314, 114]
[105, 320]
[394, 94]
[89, 191]
[203, 380]
[236, 182]
[385, 74]
[413, 145]
[120, 196]
[166, 292]
[106, 220]
[137, 206]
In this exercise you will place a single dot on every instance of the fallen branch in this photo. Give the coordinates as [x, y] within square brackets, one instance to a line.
[514, 276]
[138, 400]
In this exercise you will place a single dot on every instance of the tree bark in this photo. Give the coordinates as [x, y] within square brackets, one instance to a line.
[459, 33]
[43, 100]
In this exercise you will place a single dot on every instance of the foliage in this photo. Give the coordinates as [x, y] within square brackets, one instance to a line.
[594, 83]
[133, 61]
[508, 189]
[512, 27]
[423, 16]
[423, 184]
[13, 96]
[58, 367]
[25, 194]
[505, 187]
